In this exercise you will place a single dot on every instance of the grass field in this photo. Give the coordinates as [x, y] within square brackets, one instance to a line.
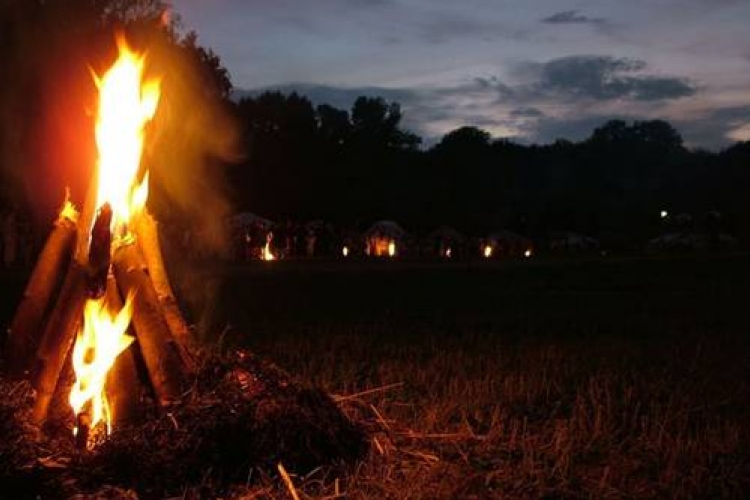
[596, 377]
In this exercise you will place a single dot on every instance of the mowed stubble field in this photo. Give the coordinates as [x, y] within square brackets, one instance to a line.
[559, 378]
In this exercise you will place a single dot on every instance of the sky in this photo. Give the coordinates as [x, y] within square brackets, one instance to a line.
[529, 70]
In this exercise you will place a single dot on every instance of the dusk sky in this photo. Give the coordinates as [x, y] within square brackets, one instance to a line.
[533, 70]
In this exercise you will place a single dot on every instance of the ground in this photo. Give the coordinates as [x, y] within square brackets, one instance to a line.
[603, 377]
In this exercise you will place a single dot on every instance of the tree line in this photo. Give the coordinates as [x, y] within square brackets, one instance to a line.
[355, 166]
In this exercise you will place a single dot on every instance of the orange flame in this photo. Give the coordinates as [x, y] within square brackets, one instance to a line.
[127, 103]
[267, 254]
[101, 339]
[68, 210]
[487, 251]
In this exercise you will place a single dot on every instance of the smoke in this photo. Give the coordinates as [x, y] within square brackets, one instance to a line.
[190, 141]
[193, 137]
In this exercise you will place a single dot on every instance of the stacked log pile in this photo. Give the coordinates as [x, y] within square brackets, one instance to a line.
[44, 327]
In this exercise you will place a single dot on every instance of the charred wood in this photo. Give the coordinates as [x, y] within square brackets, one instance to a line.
[58, 337]
[148, 240]
[99, 252]
[161, 353]
[124, 386]
[46, 279]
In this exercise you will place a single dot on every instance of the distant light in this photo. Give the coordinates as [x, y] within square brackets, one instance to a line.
[392, 248]
[487, 251]
[345, 251]
[527, 253]
[448, 253]
[664, 214]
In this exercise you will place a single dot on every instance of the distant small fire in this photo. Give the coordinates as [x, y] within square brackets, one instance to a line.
[487, 251]
[391, 248]
[267, 254]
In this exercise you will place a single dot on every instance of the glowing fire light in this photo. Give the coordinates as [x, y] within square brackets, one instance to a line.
[487, 251]
[267, 254]
[126, 104]
[98, 344]
[345, 251]
[448, 253]
[528, 253]
[391, 248]
[68, 210]
[664, 214]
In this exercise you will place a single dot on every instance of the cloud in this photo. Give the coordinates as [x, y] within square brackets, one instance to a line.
[527, 112]
[448, 25]
[603, 78]
[572, 17]
[561, 98]
[494, 84]
[716, 128]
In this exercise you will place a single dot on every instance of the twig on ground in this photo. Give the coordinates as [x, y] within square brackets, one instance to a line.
[288, 481]
[347, 397]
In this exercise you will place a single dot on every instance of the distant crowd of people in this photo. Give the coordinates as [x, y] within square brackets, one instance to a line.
[287, 240]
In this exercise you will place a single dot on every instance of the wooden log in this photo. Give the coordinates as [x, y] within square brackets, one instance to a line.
[26, 328]
[58, 337]
[123, 381]
[99, 252]
[65, 321]
[161, 353]
[147, 236]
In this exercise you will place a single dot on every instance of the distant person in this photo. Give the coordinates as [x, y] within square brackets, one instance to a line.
[310, 243]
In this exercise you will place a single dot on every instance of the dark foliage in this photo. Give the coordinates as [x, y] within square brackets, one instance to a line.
[353, 167]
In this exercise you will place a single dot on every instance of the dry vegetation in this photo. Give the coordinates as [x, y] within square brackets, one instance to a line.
[594, 378]
[555, 380]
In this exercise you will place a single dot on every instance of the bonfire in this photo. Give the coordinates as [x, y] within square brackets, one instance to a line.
[100, 336]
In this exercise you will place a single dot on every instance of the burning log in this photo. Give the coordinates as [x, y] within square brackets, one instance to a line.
[58, 338]
[161, 353]
[25, 329]
[148, 240]
[65, 319]
[83, 426]
[123, 381]
[99, 253]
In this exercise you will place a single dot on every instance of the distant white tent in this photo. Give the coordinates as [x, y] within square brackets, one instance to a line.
[508, 243]
[692, 241]
[384, 238]
[245, 220]
[386, 229]
[573, 241]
